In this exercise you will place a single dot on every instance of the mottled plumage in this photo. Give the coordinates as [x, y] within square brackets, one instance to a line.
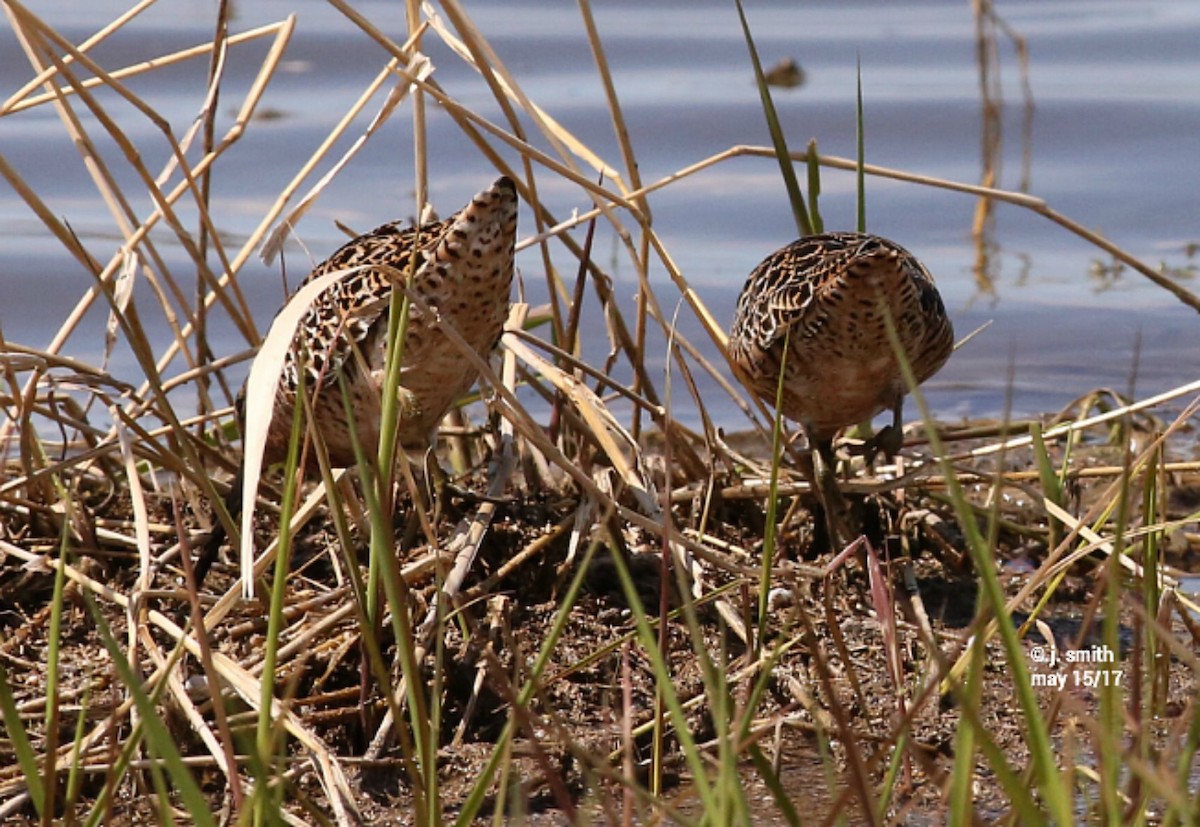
[464, 269]
[463, 272]
[827, 297]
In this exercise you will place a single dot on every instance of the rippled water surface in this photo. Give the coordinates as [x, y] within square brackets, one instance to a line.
[1112, 143]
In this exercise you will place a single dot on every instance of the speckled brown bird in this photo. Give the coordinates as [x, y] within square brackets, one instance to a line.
[463, 272]
[826, 296]
[464, 268]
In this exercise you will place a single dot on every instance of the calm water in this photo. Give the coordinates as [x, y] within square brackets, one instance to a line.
[1116, 88]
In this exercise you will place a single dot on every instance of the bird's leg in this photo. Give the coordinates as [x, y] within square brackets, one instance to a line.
[890, 438]
[212, 547]
[422, 483]
[842, 525]
[438, 487]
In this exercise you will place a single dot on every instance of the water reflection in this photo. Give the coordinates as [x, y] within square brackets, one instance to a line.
[989, 28]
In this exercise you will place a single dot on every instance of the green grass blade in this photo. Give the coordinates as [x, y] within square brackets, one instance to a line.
[381, 527]
[1110, 719]
[1055, 797]
[53, 660]
[381, 542]
[962, 774]
[1052, 486]
[19, 738]
[803, 225]
[267, 796]
[778, 793]
[384, 575]
[860, 175]
[662, 673]
[158, 737]
[562, 617]
[768, 555]
[813, 165]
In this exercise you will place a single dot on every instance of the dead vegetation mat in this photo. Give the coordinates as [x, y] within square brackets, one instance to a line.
[833, 689]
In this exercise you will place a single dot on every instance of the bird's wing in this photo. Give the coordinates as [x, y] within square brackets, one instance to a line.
[344, 316]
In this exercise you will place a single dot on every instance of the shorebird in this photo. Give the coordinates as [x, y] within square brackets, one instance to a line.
[824, 299]
[463, 274]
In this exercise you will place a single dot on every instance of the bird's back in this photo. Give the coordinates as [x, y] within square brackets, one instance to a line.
[827, 297]
[461, 270]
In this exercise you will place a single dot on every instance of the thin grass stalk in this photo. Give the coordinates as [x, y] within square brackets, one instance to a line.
[382, 555]
[23, 98]
[268, 793]
[151, 727]
[972, 737]
[177, 156]
[795, 197]
[898, 770]
[367, 605]
[1051, 481]
[1054, 797]
[74, 783]
[628, 771]
[383, 570]
[860, 136]
[389, 422]
[632, 169]
[503, 783]
[19, 740]
[727, 788]
[1153, 493]
[412, 18]
[533, 681]
[961, 792]
[216, 68]
[1110, 719]
[658, 749]
[161, 798]
[570, 341]
[204, 643]
[772, 517]
[662, 673]
[813, 168]
[426, 799]
[53, 659]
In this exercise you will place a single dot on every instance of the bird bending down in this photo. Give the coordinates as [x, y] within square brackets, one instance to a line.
[825, 299]
[463, 270]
